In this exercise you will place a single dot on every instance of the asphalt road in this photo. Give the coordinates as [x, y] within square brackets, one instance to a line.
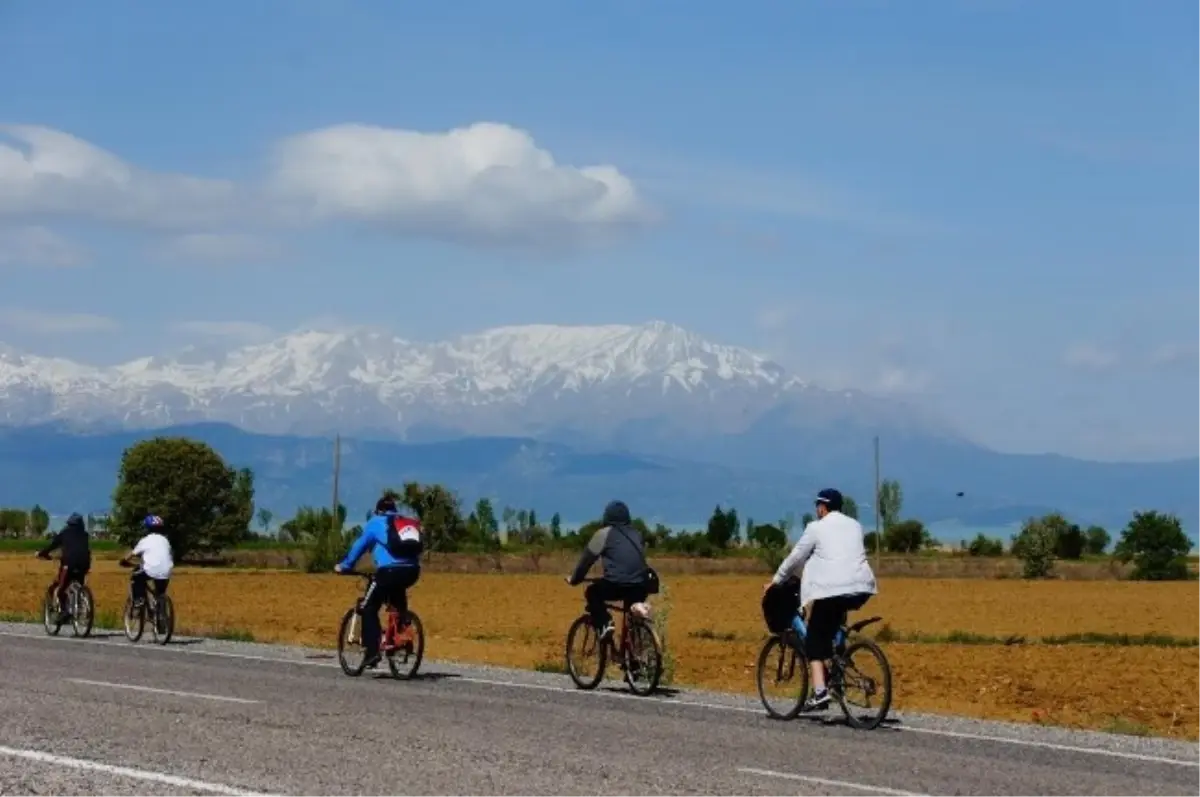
[211, 717]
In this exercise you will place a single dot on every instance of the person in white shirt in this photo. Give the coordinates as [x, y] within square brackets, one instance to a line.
[154, 550]
[837, 580]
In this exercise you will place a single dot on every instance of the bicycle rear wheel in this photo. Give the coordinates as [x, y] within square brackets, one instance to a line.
[51, 616]
[135, 620]
[643, 659]
[782, 678]
[584, 650]
[404, 661]
[352, 656]
[862, 684]
[163, 626]
[83, 610]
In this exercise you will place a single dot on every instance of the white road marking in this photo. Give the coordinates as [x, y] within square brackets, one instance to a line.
[837, 784]
[1153, 759]
[162, 691]
[125, 772]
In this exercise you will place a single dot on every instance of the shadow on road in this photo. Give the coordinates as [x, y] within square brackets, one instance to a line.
[421, 676]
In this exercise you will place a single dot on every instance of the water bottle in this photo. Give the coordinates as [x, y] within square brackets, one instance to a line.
[798, 625]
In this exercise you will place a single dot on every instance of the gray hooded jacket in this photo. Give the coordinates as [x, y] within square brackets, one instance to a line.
[618, 546]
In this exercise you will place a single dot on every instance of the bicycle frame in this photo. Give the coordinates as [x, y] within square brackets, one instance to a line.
[396, 633]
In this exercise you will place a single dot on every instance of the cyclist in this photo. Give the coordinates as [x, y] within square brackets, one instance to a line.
[154, 549]
[76, 559]
[837, 579]
[622, 553]
[395, 544]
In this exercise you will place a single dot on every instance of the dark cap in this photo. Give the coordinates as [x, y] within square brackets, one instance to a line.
[616, 513]
[385, 505]
[831, 499]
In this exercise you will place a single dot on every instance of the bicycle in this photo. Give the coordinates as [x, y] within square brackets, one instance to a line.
[639, 653]
[160, 609]
[81, 607]
[402, 643]
[841, 674]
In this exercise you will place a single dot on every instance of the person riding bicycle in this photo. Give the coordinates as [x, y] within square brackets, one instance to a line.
[836, 578]
[154, 549]
[395, 544]
[76, 559]
[622, 553]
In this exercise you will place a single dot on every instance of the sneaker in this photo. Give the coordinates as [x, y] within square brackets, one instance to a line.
[817, 701]
[372, 661]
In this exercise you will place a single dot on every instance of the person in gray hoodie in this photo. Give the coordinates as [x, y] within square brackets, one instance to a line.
[622, 554]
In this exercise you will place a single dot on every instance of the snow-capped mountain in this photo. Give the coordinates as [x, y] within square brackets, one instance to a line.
[578, 382]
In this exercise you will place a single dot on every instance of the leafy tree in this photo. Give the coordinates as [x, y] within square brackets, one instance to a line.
[849, 507]
[556, 526]
[907, 536]
[13, 522]
[722, 527]
[326, 537]
[205, 504]
[805, 519]
[871, 541]
[1156, 545]
[438, 510]
[1069, 542]
[532, 518]
[985, 546]
[265, 516]
[1035, 544]
[771, 542]
[891, 500]
[39, 521]
[1097, 540]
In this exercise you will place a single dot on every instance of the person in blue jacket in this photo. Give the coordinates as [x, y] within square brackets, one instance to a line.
[395, 544]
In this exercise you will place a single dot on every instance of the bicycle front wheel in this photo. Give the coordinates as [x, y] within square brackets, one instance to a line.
[51, 616]
[862, 684]
[584, 652]
[782, 678]
[406, 659]
[135, 620]
[83, 611]
[643, 659]
[352, 656]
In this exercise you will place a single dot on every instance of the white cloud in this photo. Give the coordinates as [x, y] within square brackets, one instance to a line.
[218, 247]
[237, 330]
[485, 184]
[54, 323]
[38, 246]
[1176, 355]
[894, 379]
[51, 173]
[1090, 357]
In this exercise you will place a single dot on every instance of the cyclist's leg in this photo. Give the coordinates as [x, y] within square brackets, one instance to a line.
[373, 602]
[595, 595]
[404, 578]
[160, 587]
[138, 579]
[818, 643]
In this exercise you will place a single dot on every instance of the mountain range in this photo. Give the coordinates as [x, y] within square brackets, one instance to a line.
[549, 416]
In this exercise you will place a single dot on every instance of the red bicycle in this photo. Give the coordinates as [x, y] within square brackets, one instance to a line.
[639, 654]
[402, 643]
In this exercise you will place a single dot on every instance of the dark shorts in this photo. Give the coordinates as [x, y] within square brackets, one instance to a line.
[824, 619]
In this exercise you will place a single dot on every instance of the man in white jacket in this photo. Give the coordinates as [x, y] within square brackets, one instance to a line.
[837, 580]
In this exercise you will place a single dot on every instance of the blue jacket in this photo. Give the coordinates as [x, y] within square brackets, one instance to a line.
[374, 537]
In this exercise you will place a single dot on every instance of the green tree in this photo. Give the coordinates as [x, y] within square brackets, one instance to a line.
[265, 516]
[907, 536]
[556, 526]
[205, 504]
[532, 518]
[983, 545]
[1035, 544]
[849, 507]
[1097, 540]
[13, 522]
[1070, 542]
[39, 521]
[326, 537]
[438, 510]
[805, 519]
[1156, 545]
[891, 500]
[722, 527]
[771, 542]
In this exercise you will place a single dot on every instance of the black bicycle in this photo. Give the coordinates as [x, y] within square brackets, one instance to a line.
[160, 610]
[80, 607]
[864, 698]
[639, 654]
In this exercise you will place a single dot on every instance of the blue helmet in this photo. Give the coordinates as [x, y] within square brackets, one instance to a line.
[153, 522]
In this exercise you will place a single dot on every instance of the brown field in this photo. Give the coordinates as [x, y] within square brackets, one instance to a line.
[521, 620]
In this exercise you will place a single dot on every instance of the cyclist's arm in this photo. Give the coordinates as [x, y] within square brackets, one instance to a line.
[590, 554]
[357, 550]
[799, 555]
[54, 544]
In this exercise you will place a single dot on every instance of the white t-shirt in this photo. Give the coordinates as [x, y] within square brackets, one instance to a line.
[155, 551]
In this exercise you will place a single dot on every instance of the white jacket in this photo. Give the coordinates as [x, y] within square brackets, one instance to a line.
[833, 549]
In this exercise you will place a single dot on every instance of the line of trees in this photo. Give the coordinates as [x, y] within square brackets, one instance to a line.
[209, 506]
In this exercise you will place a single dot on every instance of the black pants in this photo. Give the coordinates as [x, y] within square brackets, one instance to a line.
[390, 585]
[598, 592]
[139, 578]
[67, 574]
[826, 616]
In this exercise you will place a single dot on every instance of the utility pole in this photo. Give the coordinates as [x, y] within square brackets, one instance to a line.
[878, 532]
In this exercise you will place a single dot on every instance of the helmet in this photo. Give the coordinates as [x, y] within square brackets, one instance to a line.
[385, 505]
[153, 522]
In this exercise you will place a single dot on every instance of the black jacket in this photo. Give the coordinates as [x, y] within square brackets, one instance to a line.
[75, 544]
[618, 546]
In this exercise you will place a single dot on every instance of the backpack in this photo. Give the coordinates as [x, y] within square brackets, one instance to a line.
[779, 605]
[403, 537]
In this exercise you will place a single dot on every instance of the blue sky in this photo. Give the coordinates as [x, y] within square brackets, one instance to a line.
[989, 208]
